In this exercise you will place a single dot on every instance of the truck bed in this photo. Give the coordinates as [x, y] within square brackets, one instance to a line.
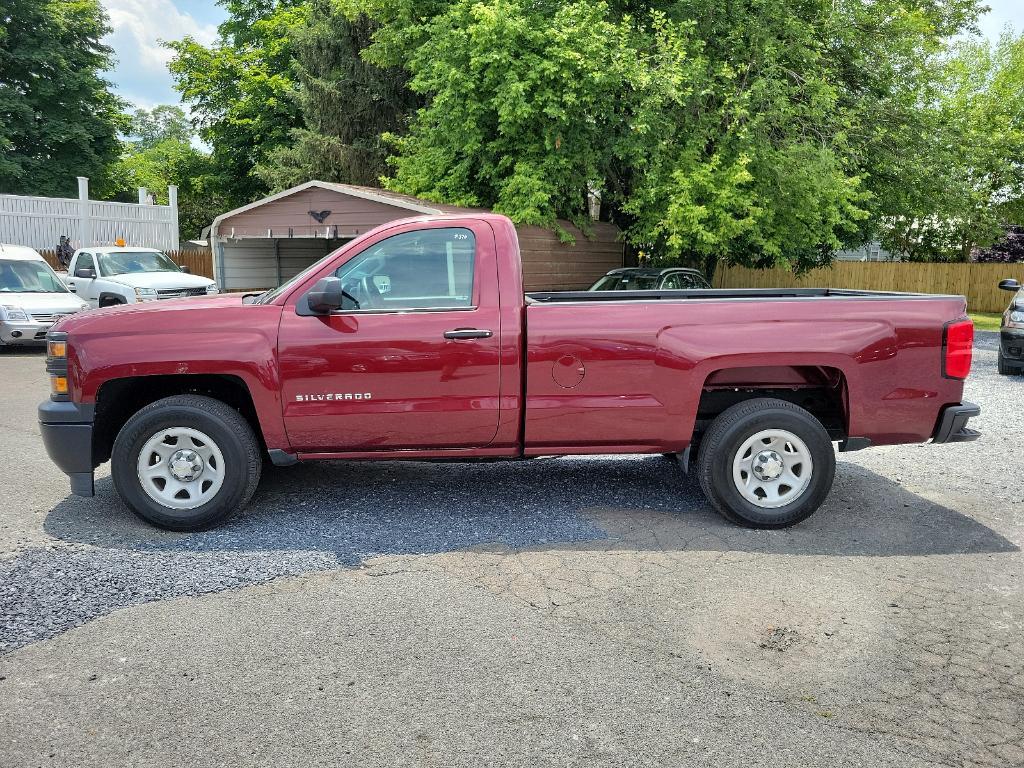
[628, 369]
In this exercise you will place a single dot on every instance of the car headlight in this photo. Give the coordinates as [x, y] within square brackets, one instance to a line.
[212, 288]
[1017, 316]
[14, 313]
[145, 293]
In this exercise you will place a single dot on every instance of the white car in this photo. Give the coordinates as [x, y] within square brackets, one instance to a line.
[32, 296]
[109, 275]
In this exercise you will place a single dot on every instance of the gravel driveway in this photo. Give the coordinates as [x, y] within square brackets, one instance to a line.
[567, 611]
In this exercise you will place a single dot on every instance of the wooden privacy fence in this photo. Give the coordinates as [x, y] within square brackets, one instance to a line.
[198, 262]
[978, 282]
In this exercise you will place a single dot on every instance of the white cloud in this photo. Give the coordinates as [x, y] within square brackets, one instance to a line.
[138, 27]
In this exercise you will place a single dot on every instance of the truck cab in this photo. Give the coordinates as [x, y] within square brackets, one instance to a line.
[105, 276]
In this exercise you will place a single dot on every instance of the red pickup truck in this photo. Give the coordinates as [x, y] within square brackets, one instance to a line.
[415, 341]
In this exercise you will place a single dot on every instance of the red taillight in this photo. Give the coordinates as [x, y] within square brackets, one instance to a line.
[957, 349]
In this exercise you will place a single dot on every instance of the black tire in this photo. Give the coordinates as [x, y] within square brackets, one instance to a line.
[726, 436]
[1005, 369]
[106, 300]
[229, 431]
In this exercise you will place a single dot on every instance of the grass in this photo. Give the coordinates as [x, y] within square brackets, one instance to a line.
[986, 321]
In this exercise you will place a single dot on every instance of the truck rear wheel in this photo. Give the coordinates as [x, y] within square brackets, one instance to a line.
[766, 463]
[186, 462]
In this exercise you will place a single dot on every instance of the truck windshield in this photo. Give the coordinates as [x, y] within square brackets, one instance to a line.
[29, 277]
[125, 262]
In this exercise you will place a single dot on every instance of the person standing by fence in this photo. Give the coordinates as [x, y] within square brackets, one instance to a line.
[64, 252]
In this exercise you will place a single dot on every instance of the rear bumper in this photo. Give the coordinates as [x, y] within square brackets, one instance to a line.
[67, 434]
[952, 426]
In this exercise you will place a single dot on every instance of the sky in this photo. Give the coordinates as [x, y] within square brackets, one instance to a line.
[141, 74]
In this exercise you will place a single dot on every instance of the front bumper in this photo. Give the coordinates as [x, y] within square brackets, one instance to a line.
[19, 332]
[952, 426]
[1011, 343]
[67, 434]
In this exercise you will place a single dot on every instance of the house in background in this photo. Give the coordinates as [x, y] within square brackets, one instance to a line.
[872, 251]
[265, 243]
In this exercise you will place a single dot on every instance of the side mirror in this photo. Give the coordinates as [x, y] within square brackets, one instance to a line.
[184, 268]
[1009, 285]
[325, 296]
[85, 273]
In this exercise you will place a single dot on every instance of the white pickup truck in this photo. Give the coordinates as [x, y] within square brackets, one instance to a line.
[109, 275]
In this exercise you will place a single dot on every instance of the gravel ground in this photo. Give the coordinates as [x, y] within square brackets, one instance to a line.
[570, 611]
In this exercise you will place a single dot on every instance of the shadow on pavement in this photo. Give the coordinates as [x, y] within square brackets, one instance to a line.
[321, 517]
[355, 510]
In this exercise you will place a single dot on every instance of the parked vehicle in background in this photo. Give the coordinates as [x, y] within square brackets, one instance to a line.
[110, 275]
[650, 279]
[415, 341]
[1011, 332]
[32, 296]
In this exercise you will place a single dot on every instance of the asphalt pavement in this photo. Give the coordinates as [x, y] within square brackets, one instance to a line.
[589, 611]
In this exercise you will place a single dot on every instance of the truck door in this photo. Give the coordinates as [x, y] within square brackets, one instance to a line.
[412, 360]
[83, 286]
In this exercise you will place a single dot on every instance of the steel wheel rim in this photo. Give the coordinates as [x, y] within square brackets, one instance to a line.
[772, 468]
[181, 468]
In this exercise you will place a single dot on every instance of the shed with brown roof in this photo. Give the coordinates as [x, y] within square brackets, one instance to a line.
[260, 245]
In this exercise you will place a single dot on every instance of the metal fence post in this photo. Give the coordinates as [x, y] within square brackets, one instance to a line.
[172, 201]
[84, 215]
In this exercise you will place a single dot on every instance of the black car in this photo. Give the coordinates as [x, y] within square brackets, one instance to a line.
[650, 279]
[1011, 333]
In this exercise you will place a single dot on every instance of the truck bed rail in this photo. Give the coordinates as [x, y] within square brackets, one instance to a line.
[549, 297]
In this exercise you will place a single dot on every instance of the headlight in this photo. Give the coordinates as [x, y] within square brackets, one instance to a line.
[1017, 316]
[145, 293]
[14, 313]
[212, 288]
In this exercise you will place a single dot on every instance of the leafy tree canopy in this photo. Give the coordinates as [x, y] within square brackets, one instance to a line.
[752, 131]
[149, 127]
[961, 176]
[58, 117]
[239, 90]
[346, 104]
[158, 152]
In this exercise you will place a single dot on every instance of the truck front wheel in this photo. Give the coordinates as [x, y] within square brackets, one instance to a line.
[186, 462]
[766, 463]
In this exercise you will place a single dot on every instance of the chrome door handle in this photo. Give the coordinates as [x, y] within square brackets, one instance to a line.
[467, 333]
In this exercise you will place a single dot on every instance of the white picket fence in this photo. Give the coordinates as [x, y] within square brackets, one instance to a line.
[38, 222]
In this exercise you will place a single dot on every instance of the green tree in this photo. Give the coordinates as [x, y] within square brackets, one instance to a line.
[58, 117]
[966, 183]
[240, 91]
[150, 127]
[753, 131]
[157, 152]
[346, 104]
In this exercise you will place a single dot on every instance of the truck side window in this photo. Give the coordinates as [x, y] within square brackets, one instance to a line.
[85, 261]
[427, 269]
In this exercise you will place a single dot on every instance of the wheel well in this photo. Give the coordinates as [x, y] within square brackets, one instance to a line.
[119, 399]
[109, 299]
[821, 390]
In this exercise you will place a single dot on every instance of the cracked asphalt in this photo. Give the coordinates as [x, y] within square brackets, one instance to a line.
[586, 611]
